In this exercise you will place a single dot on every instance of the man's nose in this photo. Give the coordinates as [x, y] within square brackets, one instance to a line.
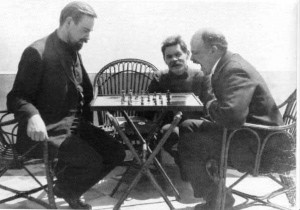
[174, 58]
[192, 58]
[87, 37]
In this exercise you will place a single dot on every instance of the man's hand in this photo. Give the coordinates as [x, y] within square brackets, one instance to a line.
[36, 128]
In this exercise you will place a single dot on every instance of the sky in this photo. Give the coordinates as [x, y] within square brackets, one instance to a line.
[264, 32]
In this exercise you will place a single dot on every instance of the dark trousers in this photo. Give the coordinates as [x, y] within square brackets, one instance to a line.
[199, 142]
[171, 141]
[85, 158]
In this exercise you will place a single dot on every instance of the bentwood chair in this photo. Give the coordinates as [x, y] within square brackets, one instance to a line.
[284, 176]
[128, 74]
[12, 162]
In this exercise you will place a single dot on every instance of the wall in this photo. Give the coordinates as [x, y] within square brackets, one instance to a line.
[262, 31]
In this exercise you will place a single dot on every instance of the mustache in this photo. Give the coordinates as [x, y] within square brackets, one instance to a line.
[175, 63]
[83, 40]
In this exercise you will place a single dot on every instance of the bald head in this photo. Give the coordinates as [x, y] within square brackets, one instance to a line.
[211, 37]
[76, 10]
[207, 47]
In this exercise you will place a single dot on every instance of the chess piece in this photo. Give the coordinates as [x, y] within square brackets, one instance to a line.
[168, 97]
[130, 97]
[123, 96]
[142, 100]
[159, 96]
[130, 100]
[148, 97]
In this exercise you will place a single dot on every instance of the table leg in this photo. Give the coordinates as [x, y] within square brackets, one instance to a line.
[146, 148]
[158, 188]
[163, 172]
[145, 166]
[130, 188]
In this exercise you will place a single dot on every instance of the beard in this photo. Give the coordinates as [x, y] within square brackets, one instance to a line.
[77, 45]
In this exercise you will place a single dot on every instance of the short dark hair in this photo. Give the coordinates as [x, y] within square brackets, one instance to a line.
[173, 40]
[76, 10]
[214, 39]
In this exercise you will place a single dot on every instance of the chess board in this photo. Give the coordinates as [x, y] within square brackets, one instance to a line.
[148, 102]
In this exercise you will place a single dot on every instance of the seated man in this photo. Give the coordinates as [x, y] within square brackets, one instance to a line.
[179, 78]
[242, 96]
[50, 99]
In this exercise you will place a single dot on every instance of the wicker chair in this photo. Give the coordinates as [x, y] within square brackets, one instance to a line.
[285, 179]
[11, 160]
[128, 74]
[122, 75]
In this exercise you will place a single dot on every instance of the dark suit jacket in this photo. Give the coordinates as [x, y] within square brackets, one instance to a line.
[242, 95]
[45, 84]
[192, 81]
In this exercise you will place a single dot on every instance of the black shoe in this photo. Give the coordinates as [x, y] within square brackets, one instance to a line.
[74, 203]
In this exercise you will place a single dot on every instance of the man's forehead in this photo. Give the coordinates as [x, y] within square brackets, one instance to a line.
[196, 43]
[171, 48]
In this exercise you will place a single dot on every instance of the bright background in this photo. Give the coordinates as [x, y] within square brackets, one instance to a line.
[264, 32]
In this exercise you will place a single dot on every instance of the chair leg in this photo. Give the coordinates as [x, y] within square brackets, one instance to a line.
[289, 182]
[49, 177]
[220, 205]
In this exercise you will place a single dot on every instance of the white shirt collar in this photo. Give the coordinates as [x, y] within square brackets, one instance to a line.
[214, 67]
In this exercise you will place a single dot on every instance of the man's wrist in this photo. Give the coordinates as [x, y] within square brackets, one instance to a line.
[207, 106]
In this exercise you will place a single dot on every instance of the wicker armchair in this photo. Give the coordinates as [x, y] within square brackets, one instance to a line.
[12, 160]
[285, 179]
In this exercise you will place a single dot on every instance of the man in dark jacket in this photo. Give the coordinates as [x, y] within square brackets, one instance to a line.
[241, 95]
[50, 99]
[179, 78]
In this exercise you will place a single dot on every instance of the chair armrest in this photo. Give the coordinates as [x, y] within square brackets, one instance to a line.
[269, 128]
[8, 122]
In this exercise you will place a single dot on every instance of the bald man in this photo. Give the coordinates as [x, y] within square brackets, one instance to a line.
[241, 95]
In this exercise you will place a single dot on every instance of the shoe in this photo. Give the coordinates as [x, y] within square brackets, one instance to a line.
[211, 205]
[74, 203]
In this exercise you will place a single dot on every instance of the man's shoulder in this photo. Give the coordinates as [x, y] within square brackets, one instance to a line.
[195, 73]
[40, 44]
[161, 74]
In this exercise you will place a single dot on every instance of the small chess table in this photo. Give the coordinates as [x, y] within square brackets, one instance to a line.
[162, 103]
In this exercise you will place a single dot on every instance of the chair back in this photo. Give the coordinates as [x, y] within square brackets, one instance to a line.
[8, 135]
[128, 74]
[290, 112]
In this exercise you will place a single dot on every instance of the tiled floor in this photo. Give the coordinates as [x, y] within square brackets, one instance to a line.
[143, 197]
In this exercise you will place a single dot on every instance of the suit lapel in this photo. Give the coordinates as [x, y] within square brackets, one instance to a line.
[224, 60]
[64, 63]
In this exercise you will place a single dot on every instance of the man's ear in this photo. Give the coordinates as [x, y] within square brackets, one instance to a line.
[214, 49]
[68, 21]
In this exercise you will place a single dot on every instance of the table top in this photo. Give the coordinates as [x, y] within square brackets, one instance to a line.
[148, 102]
